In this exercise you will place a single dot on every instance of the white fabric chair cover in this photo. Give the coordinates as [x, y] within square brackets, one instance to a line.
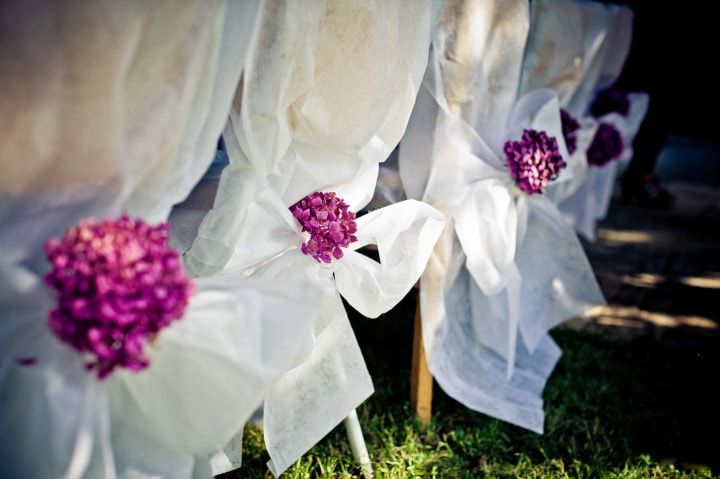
[327, 93]
[564, 45]
[507, 263]
[578, 48]
[109, 108]
[590, 201]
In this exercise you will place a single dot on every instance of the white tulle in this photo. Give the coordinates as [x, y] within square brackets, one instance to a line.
[327, 93]
[311, 399]
[578, 49]
[590, 201]
[117, 107]
[507, 268]
[209, 371]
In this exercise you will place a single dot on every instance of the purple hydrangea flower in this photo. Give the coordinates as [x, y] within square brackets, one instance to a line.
[570, 126]
[330, 224]
[118, 284]
[606, 145]
[534, 161]
[610, 101]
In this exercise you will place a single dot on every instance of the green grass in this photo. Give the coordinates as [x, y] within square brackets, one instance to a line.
[614, 410]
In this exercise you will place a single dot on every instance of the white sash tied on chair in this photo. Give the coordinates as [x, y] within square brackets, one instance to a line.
[327, 92]
[588, 200]
[567, 39]
[208, 372]
[591, 197]
[578, 49]
[498, 269]
[133, 97]
[307, 402]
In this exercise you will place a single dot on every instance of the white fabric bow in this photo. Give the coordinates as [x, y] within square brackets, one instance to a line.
[208, 373]
[509, 264]
[590, 196]
[307, 402]
[134, 129]
[490, 212]
[327, 92]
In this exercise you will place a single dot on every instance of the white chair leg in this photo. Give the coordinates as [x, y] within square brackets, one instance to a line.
[357, 443]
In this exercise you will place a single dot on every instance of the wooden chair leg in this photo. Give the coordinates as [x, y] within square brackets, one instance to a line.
[421, 381]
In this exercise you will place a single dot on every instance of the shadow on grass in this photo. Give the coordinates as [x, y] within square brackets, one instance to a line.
[614, 409]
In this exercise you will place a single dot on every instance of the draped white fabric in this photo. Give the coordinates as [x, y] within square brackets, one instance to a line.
[588, 200]
[566, 37]
[116, 107]
[578, 49]
[566, 43]
[327, 93]
[307, 402]
[208, 372]
[507, 268]
[88, 82]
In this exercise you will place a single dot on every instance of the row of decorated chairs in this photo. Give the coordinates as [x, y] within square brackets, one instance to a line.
[152, 300]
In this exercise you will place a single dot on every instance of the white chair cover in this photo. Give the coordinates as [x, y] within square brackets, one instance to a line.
[507, 263]
[578, 48]
[565, 42]
[109, 108]
[327, 92]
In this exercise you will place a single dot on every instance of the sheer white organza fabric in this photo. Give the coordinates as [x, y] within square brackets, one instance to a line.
[564, 45]
[327, 93]
[116, 108]
[578, 49]
[507, 264]
[591, 200]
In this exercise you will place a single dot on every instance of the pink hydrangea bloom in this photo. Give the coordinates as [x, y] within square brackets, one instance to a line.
[534, 161]
[570, 126]
[330, 225]
[606, 145]
[118, 284]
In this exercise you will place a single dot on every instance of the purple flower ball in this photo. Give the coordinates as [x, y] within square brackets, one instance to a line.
[610, 101]
[330, 224]
[118, 284]
[534, 161]
[606, 145]
[570, 126]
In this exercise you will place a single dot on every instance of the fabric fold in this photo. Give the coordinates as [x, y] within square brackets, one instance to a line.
[132, 132]
[489, 293]
[404, 234]
[326, 95]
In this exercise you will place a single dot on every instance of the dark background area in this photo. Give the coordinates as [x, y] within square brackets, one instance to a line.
[673, 57]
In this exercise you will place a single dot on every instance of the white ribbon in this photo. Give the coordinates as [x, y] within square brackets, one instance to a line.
[315, 396]
[495, 274]
[489, 211]
[209, 371]
[589, 201]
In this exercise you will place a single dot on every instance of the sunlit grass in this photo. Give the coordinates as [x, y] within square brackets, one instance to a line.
[614, 410]
[614, 315]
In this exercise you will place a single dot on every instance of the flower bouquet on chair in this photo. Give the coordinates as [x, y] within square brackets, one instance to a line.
[325, 97]
[507, 267]
[617, 116]
[117, 364]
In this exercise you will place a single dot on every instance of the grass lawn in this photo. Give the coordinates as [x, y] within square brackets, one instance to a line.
[615, 409]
